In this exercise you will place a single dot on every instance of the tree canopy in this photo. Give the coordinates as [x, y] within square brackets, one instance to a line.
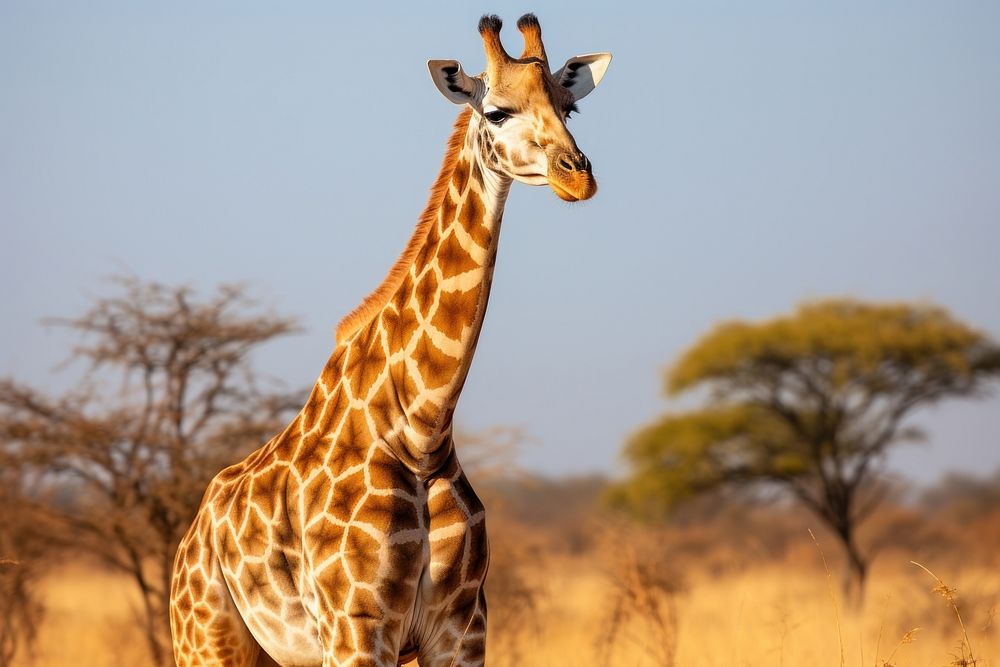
[810, 401]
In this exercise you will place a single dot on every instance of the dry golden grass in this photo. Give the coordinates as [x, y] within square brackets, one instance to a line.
[90, 620]
[778, 616]
[771, 615]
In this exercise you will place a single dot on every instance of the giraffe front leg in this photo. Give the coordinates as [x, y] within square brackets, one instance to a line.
[205, 625]
[358, 642]
[459, 559]
[368, 630]
[366, 595]
[462, 641]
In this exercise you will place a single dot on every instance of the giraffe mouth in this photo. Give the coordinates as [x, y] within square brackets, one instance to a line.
[577, 187]
[563, 193]
[533, 178]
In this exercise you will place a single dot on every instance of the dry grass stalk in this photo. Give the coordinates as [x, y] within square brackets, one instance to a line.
[785, 626]
[965, 646]
[642, 594]
[908, 637]
[833, 595]
[881, 627]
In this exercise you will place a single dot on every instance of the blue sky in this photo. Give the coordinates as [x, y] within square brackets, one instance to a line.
[750, 156]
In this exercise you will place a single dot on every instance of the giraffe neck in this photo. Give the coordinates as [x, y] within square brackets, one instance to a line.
[417, 348]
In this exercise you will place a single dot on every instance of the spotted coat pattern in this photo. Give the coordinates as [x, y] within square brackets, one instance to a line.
[354, 537]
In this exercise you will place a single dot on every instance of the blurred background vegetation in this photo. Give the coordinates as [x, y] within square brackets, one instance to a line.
[749, 155]
[699, 555]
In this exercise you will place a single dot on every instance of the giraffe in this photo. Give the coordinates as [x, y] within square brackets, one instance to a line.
[353, 537]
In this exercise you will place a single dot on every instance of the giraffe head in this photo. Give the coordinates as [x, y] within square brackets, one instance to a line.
[521, 108]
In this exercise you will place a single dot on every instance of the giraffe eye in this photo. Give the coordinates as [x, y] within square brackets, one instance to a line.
[496, 116]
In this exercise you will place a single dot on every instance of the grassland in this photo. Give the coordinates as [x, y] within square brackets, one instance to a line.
[728, 584]
[764, 615]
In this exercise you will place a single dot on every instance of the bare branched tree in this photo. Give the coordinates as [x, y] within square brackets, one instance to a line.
[490, 454]
[27, 550]
[169, 398]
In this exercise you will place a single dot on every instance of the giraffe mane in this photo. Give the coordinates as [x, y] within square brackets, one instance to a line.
[374, 302]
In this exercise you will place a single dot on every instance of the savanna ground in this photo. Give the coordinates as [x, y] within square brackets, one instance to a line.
[731, 582]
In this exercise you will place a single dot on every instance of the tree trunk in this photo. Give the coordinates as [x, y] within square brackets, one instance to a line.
[153, 615]
[154, 639]
[855, 570]
[856, 564]
[167, 571]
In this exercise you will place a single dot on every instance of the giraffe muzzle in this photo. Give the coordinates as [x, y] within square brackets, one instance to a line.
[571, 177]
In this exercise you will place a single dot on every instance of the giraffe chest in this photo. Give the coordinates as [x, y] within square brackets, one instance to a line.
[305, 556]
[415, 557]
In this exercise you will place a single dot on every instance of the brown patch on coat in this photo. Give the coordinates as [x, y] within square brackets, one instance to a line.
[383, 408]
[460, 177]
[347, 493]
[404, 561]
[361, 554]
[406, 388]
[315, 495]
[426, 289]
[456, 311]
[425, 417]
[436, 367]
[453, 259]
[404, 326]
[356, 434]
[472, 212]
[385, 474]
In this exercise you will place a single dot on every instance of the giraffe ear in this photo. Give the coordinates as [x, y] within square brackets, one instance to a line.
[453, 82]
[581, 74]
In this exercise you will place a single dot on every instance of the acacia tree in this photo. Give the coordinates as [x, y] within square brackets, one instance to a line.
[810, 402]
[169, 399]
[28, 548]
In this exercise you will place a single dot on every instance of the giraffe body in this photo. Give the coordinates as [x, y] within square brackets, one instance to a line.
[354, 537]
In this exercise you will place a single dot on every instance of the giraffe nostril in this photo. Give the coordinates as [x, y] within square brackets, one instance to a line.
[573, 162]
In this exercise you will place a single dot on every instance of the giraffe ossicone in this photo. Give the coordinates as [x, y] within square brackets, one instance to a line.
[353, 537]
